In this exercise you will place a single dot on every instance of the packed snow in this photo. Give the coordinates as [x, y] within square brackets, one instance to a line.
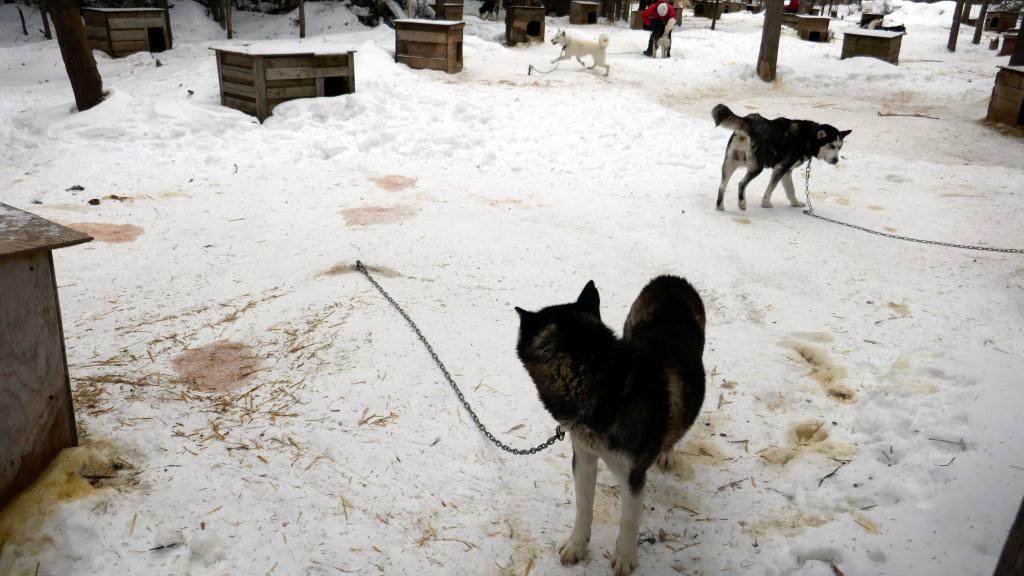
[249, 404]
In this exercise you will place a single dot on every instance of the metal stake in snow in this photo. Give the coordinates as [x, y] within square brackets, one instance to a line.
[557, 62]
[810, 212]
[559, 433]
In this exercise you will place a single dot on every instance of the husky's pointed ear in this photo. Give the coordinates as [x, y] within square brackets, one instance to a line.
[523, 314]
[589, 300]
[844, 134]
[821, 134]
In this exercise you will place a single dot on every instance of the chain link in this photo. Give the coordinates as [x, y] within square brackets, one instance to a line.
[559, 433]
[810, 212]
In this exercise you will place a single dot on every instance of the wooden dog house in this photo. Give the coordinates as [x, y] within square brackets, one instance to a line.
[1001, 21]
[123, 31]
[874, 43]
[705, 9]
[429, 44]
[1009, 43]
[448, 9]
[583, 12]
[37, 416]
[812, 28]
[255, 78]
[1007, 102]
[524, 24]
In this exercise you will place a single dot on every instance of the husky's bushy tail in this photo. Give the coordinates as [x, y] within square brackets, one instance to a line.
[602, 40]
[725, 118]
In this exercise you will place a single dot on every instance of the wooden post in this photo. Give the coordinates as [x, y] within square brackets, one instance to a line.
[227, 18]
[718, 10]
[408, 8]
[1011, 562]
[1017, 58]
[77, 54]
[769, 54]
[46, 20]
[302, 18]
[979, 26]
[954, 29]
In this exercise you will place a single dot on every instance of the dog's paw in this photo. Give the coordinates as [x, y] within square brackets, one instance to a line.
[719, 207]
[743, 204]
[667, 460]
[765, 203]
[572, 550]
[623, 563]
[797, 204]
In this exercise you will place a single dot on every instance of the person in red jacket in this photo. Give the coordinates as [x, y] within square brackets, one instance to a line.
[655, 16]
[791, 7]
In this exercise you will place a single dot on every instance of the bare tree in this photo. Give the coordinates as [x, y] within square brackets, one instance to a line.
[769, 54]
[302, 18]
[77, 54]
[46, 20]
[227, 18]
[1017, 58]
[24, 30]
[1012, 560]
[954, 30]
[979, 26]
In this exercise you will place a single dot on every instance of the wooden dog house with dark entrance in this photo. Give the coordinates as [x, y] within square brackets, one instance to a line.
[1007, 102]
[255, 78]
[448, 9]
[812, 28]
[1001, 21]
[429, 44]
[874, 43]
[123, 31]
[524, 24]
[583, 12]
[37, 417]
[868, 17]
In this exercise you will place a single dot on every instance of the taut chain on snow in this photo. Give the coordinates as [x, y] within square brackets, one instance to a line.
[559, 433]
[810, 212]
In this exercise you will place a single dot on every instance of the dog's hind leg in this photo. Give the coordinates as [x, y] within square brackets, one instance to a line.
[787, 184]
[777, 174]
[584, 472]
[631, 489]
[729, 166]
[750, 175]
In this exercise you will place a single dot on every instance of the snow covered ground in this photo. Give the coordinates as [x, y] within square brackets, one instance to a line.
[845, 368]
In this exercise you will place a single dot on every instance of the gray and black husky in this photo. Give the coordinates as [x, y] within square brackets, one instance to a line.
[780, 144]
[626, 401]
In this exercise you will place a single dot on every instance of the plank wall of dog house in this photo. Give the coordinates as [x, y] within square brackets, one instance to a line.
[123, 31]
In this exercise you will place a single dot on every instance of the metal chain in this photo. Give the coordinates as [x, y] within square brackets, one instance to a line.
[533, 68]
[810, 212]
[559, 433]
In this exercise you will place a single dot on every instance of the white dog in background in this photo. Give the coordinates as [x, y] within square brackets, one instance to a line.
[664, 43]
[572, 46]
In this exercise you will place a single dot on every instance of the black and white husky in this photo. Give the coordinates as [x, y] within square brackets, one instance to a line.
[780, 144]
[626, 401]
[489, 10]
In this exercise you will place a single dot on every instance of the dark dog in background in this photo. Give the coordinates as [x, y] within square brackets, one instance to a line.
[489, 10]
[780, 144]
[626, 401]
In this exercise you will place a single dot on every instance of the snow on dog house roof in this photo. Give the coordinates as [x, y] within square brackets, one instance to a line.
[125, 9]
[286, 48]
[874, 33]
[422, 21]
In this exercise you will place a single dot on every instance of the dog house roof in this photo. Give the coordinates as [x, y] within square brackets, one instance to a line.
[874, 33]
[286, 48]
[122, 9]
[422, 21]
[24, 232]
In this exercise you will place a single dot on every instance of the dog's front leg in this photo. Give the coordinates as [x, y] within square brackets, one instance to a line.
[787, 183]
[584, 472]
[632, 490]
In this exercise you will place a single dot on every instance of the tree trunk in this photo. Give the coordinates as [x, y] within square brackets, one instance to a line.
[302, 19]
[24, 30]
[967, 11]
[77, 54]
[954, 30]
[1011, 563]
[1017, 58]
[769, 54]
[718, 8]
[46, 20]
[979, 26]
[408, 8]
[227, 18]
